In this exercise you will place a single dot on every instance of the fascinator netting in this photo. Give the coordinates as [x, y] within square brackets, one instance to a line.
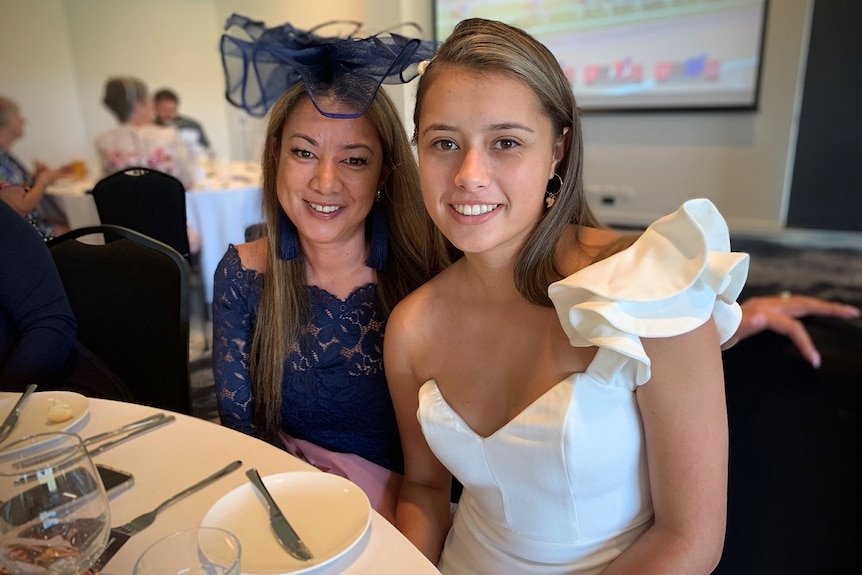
[261, 63]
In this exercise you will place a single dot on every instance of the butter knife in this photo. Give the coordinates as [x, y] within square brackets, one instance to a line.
[283, 531]
[12, 418]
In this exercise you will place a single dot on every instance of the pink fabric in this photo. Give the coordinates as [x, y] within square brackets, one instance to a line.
[379, 484]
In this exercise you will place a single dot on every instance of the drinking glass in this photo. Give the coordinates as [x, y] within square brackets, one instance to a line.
[54, 516]
[196, 551]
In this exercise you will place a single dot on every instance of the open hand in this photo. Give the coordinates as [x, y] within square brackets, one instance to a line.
[780, 313]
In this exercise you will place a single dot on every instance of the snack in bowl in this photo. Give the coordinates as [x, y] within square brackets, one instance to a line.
[59, 411]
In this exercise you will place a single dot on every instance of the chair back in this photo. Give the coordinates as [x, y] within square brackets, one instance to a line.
[255, 232]
[130, 296]
[147, 201]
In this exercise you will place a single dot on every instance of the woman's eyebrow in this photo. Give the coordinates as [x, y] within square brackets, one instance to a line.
[359, 146]
[509, 126]
[438, 128]
[492, 128]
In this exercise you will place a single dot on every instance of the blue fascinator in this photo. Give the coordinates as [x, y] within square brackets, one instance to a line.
[262, 63]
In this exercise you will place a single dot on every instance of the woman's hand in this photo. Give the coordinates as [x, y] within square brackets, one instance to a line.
[45, 176]
[780, 313]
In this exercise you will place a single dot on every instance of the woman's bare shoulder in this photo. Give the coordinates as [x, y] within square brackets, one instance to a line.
[424, 303]
[253, 255]
[584, 245]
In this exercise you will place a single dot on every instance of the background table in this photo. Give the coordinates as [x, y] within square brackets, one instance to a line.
[172, 457]
[220, 208]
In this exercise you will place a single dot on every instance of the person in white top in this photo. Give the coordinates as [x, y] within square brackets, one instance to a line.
[138, 141]
[568, 376]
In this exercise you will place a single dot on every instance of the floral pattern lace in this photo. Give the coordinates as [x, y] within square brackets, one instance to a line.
[334, 391]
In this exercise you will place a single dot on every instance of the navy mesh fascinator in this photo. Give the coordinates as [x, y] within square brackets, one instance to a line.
[263, 64]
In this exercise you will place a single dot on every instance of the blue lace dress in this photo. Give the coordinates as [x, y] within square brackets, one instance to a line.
[334, 392]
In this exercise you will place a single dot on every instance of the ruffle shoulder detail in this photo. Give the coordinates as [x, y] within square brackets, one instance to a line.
[671, 280]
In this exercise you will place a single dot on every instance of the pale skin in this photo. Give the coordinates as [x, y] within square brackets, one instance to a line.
[484, 142]
[329, 171]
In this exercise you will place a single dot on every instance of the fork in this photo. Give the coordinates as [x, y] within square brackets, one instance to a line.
[141, 522]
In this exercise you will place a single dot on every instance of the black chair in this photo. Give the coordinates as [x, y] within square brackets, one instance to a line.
[795, 454]
[152, 203]
[147, 201]
[130, 295]
[255, 232]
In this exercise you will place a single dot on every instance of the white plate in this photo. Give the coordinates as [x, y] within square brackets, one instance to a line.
[34, 414]
[330, 514]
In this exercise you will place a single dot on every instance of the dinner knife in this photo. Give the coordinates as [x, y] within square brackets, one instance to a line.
[283, 531]
[12, 419]
[136, 431]
[123, 429]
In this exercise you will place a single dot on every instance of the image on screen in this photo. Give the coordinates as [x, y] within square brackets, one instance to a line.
[639, 54]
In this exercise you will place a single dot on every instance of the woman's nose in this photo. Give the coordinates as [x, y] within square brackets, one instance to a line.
[325, 176]
[473, 173]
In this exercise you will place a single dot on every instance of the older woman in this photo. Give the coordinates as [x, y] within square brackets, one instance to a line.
[137, 141]
[299, 315]
[19, 187]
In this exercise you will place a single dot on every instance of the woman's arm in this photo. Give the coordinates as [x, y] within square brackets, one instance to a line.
[422, 514]
[34, 303]
[685, 426]
[232, 333]
[24, 199]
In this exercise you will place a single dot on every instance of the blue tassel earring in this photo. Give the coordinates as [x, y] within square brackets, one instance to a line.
[288, 240]
[379, 237]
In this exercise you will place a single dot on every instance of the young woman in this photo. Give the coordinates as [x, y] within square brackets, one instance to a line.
[569, 377]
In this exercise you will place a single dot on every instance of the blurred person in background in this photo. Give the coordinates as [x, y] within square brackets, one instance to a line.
[20, 187]
[138, 141]
[167, 114]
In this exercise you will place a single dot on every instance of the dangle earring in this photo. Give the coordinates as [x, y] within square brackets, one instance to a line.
[288, 240]
[552, 189]
[379, 236]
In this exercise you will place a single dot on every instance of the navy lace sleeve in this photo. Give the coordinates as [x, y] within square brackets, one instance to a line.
[236, 294]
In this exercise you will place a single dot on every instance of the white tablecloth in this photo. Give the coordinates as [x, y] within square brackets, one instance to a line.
[172, 457]
[220, 209]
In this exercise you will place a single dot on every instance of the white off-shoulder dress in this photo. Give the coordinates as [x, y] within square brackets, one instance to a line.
[563, 487]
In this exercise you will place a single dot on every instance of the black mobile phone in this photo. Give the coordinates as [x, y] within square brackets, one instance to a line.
[114, 480]
[64, 487]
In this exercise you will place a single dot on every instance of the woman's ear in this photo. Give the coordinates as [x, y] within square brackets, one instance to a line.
[561, 146]
[384, 175]
[273, 149]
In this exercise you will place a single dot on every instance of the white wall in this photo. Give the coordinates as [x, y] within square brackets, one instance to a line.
[737, 159]
[59, 53]
[38, 71]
